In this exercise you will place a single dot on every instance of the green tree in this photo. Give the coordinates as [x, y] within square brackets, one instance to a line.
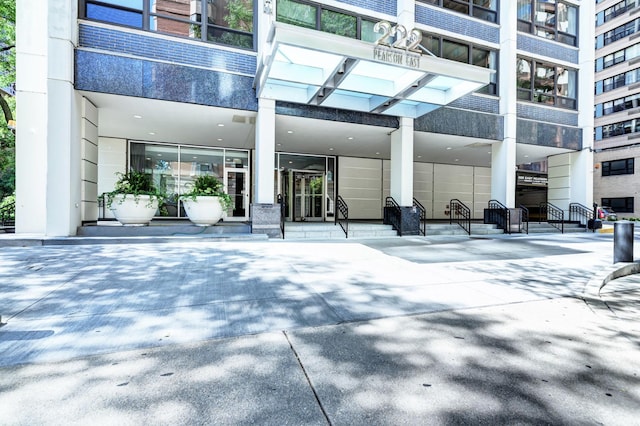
[7, 102]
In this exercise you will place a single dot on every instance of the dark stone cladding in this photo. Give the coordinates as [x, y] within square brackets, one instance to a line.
[540, 46]
[334, 114]
[462, 123]
[99, 72]
[546, 134]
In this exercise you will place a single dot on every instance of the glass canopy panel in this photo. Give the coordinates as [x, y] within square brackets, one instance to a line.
[380, 79]
[303, 65]
[289, 91]
[353, 100]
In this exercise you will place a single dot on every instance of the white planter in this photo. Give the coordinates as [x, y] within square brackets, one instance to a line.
[203, 211]
[130, 210]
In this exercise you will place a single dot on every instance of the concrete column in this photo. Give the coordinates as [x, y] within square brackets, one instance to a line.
[582, 164]
[265, 151]
[89, 161]
[402, 163]
[406, 11]
[47, 146]
[503, 155]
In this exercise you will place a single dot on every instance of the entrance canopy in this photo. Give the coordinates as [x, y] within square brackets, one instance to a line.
[310, 67]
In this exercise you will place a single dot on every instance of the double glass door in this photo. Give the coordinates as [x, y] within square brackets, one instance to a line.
[304, 195]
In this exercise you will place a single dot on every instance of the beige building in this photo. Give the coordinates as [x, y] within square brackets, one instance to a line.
[616, 178]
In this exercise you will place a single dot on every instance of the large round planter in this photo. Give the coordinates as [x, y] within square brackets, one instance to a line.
[131, 210]
[204, 210]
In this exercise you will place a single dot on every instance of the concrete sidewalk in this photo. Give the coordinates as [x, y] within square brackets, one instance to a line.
[387, 331]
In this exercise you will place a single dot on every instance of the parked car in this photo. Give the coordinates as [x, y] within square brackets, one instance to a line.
[606, 213]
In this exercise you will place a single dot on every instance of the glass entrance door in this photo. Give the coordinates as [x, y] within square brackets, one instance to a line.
[308, 202]
[236, 186]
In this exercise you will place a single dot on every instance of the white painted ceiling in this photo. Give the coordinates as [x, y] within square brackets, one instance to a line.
[172, 122]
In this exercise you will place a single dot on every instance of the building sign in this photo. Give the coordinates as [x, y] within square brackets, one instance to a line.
[532, 180]
[403, 51]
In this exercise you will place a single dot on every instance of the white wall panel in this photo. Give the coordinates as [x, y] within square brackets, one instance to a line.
[360, 184]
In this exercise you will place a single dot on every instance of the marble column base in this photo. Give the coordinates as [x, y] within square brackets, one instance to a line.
[409, 223]
[265, 219]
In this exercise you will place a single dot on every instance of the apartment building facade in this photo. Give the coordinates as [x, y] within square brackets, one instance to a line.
[427, 100]
[617, 90]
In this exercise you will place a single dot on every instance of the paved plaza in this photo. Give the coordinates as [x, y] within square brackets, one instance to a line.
[412, 330]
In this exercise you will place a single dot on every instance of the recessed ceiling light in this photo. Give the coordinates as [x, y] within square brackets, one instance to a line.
[219, 139]
[149, 158]
[457, 159]
[377, 153]
[330, 149]
[195, 157]
[448, 148]
[526, 156]
[419, 156]
[290, 162]
[350, 138]
[290, 131]
[220, 125]
[137, 116]
[279, 144]
[152, 133]
[159, 155]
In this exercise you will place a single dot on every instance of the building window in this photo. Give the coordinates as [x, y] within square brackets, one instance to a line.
[309, 15]
[481, 9]
[467, 53]
[620, 80]
[615, 10]
[617, 33]
[549, 19]
[619, 205]
[618, 57]
[618, 167]
[546, 83]
[617, 129]
[617, 105]
[228, 22]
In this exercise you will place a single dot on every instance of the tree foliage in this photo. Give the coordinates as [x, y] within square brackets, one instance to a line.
[7, 102]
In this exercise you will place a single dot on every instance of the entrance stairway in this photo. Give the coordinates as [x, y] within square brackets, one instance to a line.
[546, 227]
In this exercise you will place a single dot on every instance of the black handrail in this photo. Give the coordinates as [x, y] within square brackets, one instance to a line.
[7, 215]
[580, 213]
[393, 214]
[343, 209]
[524, 217]
[423, 216]
[460, 214]
[553, 214]
[282, 213]
[500, 215]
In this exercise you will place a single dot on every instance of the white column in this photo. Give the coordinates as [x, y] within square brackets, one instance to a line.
[265, 151]
[503, 154]
[402, 163]
[582, 164]
[47, 146]
[406, 11]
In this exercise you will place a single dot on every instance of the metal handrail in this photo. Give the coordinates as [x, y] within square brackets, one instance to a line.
[282, 213]
[500, 215]
[423, 216]
[393, 214]
[524, 217]
[343, 209]
[579, 213]
[460, 214]
[553, 214]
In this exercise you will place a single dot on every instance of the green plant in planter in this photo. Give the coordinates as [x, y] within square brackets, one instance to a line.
[136, 184]
[209, 186]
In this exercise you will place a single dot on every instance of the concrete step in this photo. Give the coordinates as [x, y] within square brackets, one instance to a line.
[327, 231]
[161, 228]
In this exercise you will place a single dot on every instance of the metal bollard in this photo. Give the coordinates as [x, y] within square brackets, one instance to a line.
[622, 241]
